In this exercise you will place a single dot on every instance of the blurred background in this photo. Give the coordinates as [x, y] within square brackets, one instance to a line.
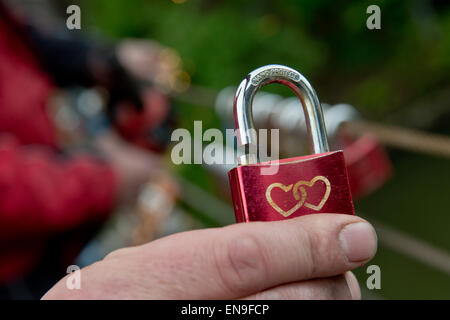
[387, 95]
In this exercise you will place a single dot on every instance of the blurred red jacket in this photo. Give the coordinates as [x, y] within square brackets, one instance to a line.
[40, 193]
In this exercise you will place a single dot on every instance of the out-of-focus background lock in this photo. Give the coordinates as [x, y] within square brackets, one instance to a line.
[291, 187]
[368, 164]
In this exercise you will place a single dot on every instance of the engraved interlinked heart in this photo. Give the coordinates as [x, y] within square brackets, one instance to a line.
[300, 194]
[285, 189]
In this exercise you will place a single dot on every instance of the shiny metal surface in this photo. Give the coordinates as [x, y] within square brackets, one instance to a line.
[312, 109]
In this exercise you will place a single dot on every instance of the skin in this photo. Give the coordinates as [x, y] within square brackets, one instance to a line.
[309, 257]
[134, 166]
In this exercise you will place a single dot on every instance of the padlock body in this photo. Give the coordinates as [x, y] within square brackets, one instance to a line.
[299, 186]
[368, 166]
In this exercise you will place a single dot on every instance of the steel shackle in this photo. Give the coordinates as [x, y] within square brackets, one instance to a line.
[312, 109]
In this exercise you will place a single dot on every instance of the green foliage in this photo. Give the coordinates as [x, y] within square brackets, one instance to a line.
[220, 41]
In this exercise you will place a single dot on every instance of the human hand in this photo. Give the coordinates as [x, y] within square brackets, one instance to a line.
[149, 61]
[134, 166]
[303, 258]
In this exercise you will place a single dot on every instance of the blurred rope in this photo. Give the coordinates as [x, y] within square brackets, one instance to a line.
[390, 135]
[412, 247]
[402, 138]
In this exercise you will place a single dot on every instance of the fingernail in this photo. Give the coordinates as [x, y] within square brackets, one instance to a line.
[358, 241]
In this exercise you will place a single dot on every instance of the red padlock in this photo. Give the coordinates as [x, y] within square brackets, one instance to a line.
[292, 187]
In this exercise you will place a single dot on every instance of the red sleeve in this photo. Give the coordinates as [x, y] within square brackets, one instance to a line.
[41, 193]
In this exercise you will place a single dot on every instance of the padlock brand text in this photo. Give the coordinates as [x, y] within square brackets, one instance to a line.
[274, 73]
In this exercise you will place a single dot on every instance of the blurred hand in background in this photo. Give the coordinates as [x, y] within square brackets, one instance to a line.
[134, 166]
[149, 61]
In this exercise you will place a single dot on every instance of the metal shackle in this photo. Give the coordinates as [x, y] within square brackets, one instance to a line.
[262, 76]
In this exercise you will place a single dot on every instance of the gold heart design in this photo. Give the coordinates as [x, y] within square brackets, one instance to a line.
[310, 184]
[285, 189]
